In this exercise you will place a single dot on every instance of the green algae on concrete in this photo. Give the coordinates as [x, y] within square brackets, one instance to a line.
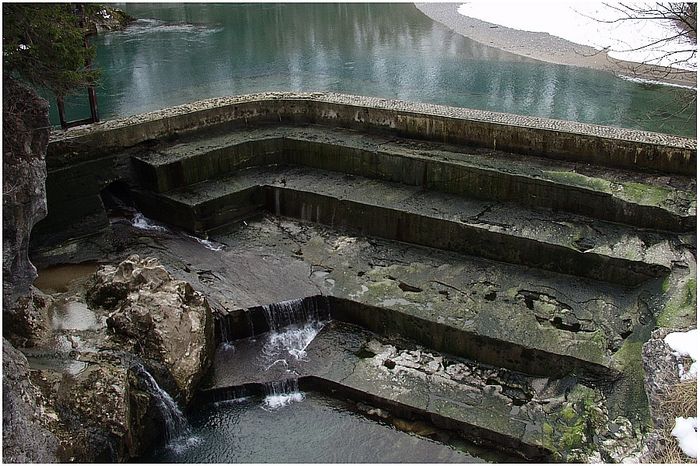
[677, 308]
[595, 184]
[645, 194]
[680, 310]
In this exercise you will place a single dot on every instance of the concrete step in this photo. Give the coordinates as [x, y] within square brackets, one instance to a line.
[511, 316]
[559, 242]
[640, 199]
[490, 405]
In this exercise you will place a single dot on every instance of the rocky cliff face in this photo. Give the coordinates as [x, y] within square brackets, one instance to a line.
[161, 319]
[100, 411]
[25, 435]
[24, 413]
[25, 137]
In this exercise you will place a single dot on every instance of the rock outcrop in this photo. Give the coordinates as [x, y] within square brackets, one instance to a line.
[100, 416]
[85, 406]
[25, 436]
[109, 19]
[25, 138]
[161, 319]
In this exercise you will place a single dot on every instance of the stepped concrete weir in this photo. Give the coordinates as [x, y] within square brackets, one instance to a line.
[490, 274]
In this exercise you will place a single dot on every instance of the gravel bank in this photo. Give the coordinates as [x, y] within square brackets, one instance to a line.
[545, 47]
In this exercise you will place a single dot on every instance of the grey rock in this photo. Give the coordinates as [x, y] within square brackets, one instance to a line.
[25, 436]
[163, 320]
[25, 138]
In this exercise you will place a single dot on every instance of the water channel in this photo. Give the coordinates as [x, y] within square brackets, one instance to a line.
[177, 53]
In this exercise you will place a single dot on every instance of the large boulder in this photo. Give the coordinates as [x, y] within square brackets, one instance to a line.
[99, 411]
[25, 137]
[161, 319]
[25, 434]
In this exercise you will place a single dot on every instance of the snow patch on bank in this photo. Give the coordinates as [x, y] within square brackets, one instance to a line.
[685, 344]
[592, 24]
[686, 429]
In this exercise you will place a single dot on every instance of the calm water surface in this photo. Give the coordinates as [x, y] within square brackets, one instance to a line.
[177, 53]
[317, 429]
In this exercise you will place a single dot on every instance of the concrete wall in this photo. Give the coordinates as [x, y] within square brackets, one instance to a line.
[82, 161]
[601, 145]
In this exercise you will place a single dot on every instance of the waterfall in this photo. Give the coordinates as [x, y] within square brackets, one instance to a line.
[175, 426]
[277, 202]
[225, 332]
[282, 393]
[293, 325]
[296, 311]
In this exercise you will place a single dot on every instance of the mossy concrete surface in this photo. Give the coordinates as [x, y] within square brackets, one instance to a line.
[559, 242]
[635, 198]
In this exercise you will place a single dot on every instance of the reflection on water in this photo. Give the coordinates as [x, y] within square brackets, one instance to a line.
[74, 315]
[317, 429]
[58, 364]
[179, 53]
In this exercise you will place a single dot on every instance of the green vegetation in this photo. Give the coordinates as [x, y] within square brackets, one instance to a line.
[44, 45]
[576, 179]
[679, 310]
[571, 431]
[635, 192]
[645, 194]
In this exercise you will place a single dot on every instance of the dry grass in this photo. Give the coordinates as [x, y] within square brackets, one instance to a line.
[680, 401]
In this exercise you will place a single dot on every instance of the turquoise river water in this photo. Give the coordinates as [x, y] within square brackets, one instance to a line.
[177, 53]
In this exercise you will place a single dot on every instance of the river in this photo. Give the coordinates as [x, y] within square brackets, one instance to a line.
[177, 53]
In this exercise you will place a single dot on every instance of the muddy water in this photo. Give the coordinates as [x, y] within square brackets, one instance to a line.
[58, 279]
[312, 429]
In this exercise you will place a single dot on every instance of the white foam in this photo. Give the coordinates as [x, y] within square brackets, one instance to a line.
[686, 431]
[277, 401]
[212, 245]
[293, 340]
[228, 347]
[652, 81]
[142, 222]
[182, 444]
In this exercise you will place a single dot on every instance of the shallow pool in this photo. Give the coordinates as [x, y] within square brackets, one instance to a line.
[308, 428]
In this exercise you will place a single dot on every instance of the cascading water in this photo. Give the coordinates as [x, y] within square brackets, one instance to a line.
[225, 333]
[293, 325]
[282, 393]
[176, 429]
[144, 223]
[294, 312]
[278, 354]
